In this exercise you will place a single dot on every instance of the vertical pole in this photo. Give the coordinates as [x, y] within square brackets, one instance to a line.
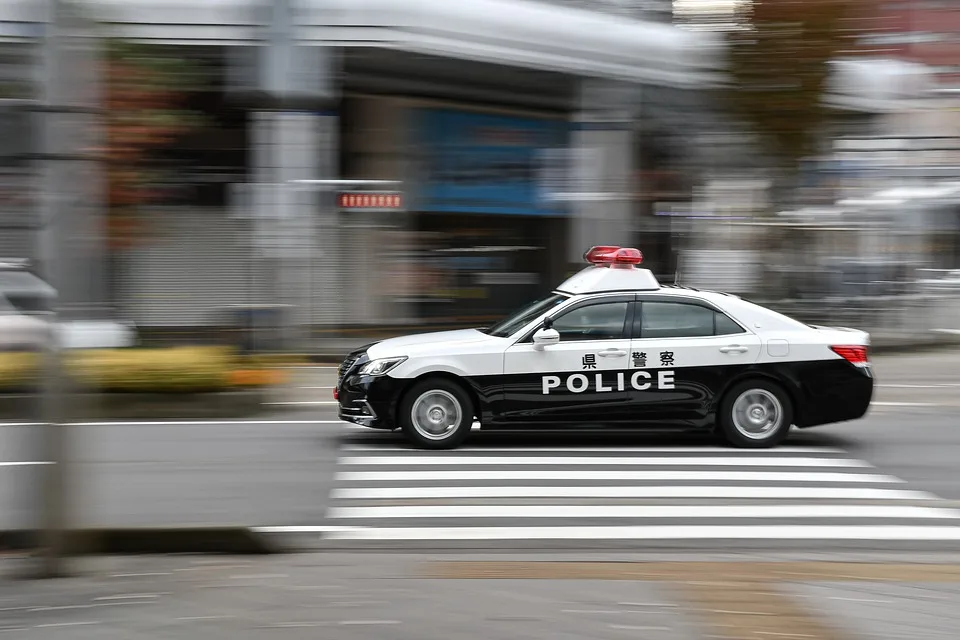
[52, 398]
[275, 80]
[297, 85]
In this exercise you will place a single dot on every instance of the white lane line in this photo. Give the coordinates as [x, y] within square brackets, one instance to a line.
[704, 476]
[594, 611]
[332, 367]
[790, 493]
[184, 423]
[644, 511]
[24, 463]
[520, 449]
[303, 402]
[318, 388]
[714, 461]
[842, 599]
[932, 385]
[653, 532]
[905, 404]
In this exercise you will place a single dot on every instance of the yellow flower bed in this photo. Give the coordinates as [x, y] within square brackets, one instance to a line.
[163, 370]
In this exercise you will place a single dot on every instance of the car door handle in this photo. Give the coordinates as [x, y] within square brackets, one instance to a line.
[613, 353]
[734, 348]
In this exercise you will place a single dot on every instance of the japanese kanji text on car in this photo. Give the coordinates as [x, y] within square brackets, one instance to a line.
[612, 347]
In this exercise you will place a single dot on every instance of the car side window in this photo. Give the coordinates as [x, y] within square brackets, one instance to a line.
[603, 321]
[725, 326]
[681, 320]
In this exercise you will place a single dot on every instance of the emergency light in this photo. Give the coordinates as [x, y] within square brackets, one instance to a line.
[623, 257]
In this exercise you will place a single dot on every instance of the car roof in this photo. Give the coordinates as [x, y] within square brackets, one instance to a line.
[596, 279]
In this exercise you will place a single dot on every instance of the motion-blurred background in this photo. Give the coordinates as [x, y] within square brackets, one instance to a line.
[175, 170]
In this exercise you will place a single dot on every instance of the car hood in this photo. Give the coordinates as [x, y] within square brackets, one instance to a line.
[437, 341]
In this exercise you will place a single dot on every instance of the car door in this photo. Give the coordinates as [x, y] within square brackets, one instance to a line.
[688, 349]
[582, 378]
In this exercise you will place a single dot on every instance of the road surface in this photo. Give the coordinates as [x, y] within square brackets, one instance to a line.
[890, 480]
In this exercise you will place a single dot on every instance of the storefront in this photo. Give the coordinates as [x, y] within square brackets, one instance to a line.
[487, 221]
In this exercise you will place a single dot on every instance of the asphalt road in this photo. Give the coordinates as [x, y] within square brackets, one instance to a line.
[891, 478]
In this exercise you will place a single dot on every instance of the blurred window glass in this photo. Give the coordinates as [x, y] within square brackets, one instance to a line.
[681, 320]
[725, 326]
[603, 321]
[513, 323]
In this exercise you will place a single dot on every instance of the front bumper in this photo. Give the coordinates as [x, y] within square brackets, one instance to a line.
[359, 411]
[369, 401]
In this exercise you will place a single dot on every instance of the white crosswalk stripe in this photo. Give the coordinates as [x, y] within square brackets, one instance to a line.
[385, 492]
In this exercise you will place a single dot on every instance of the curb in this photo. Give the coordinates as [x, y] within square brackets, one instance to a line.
[162, 540]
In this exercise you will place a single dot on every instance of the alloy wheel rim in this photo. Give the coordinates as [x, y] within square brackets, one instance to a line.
[436, 414]
[757, 414]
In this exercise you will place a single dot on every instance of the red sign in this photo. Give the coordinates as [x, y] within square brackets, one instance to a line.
[379, 200]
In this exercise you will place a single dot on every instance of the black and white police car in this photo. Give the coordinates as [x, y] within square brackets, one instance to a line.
[612, 347]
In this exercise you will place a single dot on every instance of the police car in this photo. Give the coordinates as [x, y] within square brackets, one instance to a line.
[612, 347]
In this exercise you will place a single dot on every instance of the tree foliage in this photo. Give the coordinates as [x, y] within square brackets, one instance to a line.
[779, 62]
[145, 91]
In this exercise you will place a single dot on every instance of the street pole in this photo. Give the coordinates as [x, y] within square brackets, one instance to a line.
[54, 521]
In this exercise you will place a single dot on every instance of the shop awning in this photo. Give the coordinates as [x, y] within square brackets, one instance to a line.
[522, 33]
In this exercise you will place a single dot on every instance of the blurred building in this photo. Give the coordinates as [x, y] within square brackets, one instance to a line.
[522, 131]
[921, 31]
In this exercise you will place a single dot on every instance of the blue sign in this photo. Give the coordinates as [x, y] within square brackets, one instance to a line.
[481, 163]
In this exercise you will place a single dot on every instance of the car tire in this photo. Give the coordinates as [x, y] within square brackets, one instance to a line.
[436, 414]
[755, 414]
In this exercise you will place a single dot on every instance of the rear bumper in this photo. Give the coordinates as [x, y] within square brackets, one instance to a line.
[833, 391]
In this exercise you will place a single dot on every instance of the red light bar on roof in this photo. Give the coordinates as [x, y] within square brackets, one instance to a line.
[628, 256]
[600, 255]
[613, 256]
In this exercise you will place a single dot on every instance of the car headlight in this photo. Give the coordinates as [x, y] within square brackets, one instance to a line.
[380, 366]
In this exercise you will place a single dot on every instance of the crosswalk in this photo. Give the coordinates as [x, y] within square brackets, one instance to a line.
[384, 492]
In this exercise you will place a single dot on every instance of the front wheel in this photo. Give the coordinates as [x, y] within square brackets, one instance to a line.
[436, 414]
[755, 414]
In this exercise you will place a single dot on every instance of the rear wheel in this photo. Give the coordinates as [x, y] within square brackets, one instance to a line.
[755, 414]
[436, 414]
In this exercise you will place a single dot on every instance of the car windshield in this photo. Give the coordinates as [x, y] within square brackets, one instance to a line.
[516, 321]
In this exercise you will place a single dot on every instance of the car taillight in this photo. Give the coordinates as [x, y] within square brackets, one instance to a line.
[336, 393]
[857, 355]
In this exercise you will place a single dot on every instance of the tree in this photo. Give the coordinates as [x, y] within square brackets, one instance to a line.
[145, 89]
[780, 65]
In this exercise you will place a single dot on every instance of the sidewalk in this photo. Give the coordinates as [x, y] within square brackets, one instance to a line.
[337, 596]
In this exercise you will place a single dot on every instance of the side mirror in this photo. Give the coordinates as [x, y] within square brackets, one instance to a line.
[543, 337]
